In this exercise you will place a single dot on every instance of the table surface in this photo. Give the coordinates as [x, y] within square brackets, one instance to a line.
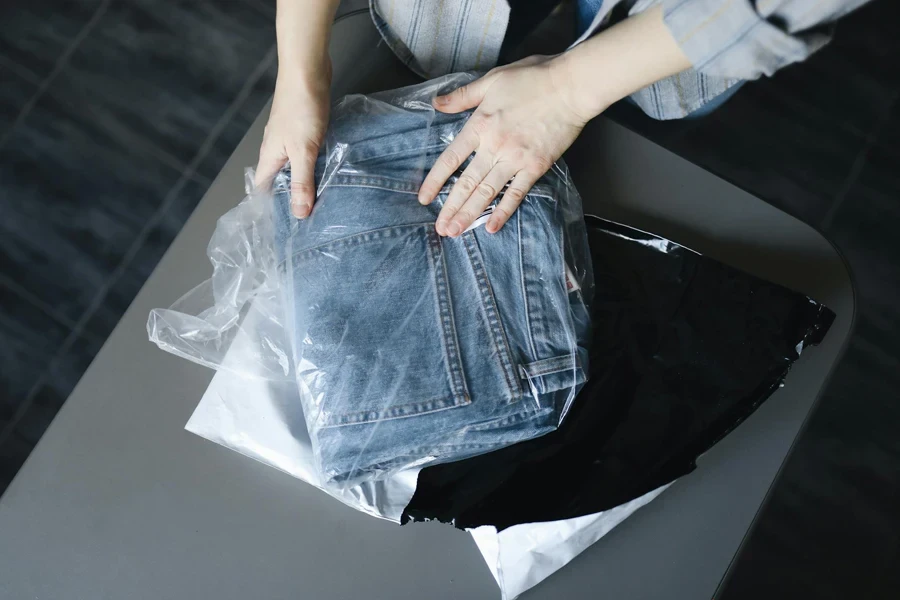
[118, 501]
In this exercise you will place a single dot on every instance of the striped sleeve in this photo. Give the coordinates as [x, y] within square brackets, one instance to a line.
[745, 39]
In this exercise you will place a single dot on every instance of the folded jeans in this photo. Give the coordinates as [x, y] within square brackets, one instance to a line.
[410, 347]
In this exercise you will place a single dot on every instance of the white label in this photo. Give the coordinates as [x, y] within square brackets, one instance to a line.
[572, 284]
[482, 219]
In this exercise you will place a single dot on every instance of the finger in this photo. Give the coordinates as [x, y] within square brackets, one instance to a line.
[480, 166]
[453, 156]
[512, 198]
[483, 195]
[303, 185]
[271, 159]
[466, 96]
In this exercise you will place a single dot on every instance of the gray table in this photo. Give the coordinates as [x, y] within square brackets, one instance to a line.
[118, 501]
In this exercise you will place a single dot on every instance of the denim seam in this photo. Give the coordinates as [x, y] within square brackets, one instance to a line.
[414, 153]
[537, 326]
[452, 358]
[488, 302]
[409, 187]
[528, 329]
[397, 186]
[348, 419]
[510, 420]
[476, 445]
[547, 366]
[357, 239]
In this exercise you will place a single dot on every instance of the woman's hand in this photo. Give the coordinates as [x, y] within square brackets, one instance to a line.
[299, 115]
[296, 126]
[525, 120]
[531, 111]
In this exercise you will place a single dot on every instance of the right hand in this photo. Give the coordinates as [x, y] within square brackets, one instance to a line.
[295, 130]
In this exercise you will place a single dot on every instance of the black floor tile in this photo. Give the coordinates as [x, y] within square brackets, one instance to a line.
[866, 228]
[74, 200]
[36, 33]
[887, 137]
[164, 74]
[15, 91]
[850, 82]
[59, 381]
[28, 339]
[771, 144]
[152, 247]
[13, 452]
[266, 7]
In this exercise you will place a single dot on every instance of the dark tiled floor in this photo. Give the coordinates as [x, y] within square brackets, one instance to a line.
[185, 63]
[38, 33]
[130, 111]
[18, 86]
[822, 141]
[114, 118]
[23, 353]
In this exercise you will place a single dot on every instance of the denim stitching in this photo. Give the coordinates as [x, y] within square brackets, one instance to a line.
[524, 288]
[374, 416]
[537, 326]
[410, 187]
[453, 360]
[556, 364]
[360, 238]
[493, 316]
[510, 420]
[364, 155]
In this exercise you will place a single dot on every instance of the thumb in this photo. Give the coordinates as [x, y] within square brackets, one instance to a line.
[303, 186]
[464, 97]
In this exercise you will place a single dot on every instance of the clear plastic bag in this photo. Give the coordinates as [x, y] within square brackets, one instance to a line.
[406, 347]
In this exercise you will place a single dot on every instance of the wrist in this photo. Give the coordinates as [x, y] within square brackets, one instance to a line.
[303, 43]
[583, 100]
[310, 75]
[625, 58]
[310, 60]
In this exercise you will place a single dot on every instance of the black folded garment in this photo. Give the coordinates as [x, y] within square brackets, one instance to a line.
[684, 349]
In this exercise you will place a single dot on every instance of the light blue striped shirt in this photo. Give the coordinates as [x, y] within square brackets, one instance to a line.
[727, 41]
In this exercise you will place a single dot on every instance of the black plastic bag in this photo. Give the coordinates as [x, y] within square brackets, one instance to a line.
[684, 349]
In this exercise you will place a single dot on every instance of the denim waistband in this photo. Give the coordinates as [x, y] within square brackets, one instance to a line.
[343, 163]
[410, 135]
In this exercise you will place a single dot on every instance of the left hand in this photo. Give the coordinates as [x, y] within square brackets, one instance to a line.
[525, 120]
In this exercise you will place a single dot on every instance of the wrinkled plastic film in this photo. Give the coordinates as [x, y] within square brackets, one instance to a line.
[407, 348]
[202, 325]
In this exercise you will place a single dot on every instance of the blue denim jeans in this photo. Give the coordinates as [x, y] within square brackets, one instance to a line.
[409, 347]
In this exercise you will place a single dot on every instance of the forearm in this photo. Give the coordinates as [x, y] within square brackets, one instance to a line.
[303, 29]
[620, 61]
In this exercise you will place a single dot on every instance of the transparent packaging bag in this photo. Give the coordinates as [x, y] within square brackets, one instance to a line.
[406, 347]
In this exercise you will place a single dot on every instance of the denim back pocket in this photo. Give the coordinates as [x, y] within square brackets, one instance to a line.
[374, 324]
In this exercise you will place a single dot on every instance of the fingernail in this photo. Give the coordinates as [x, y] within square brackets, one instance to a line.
[454, 229]
[441, 227]
[301, 210]
[442, 99]
[492, 226]
[423, 200]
